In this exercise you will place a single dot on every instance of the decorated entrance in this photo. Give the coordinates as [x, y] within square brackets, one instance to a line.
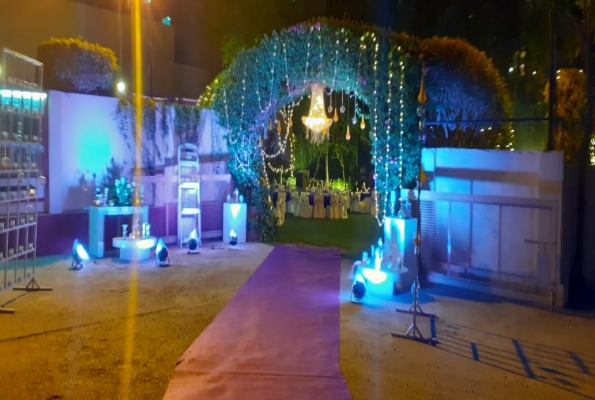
[376, 74]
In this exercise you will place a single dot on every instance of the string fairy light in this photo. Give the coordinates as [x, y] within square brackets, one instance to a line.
[401, 124]
[286, 68]
[226, 112]
[375, 127]
[388, 128]
[362, 47]
[308, 57]
[289, 136]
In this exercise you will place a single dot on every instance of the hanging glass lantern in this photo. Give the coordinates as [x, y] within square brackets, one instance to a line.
[347, 135]
[336, 116]
[362, 125]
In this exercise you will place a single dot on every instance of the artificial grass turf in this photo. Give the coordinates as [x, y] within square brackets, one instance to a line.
[353, 235]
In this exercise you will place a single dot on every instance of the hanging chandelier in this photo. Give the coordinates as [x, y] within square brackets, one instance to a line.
[317, 121]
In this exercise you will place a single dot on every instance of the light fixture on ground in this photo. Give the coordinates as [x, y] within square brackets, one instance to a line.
[79, 255]
[162, 254]
[233, 238]
[193, 243]
[358, 289]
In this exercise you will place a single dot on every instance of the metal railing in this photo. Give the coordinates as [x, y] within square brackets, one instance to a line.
[18, 70]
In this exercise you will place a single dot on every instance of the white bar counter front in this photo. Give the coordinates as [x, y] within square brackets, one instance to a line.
[97, 224]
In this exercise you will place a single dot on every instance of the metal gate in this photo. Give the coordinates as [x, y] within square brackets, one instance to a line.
[504, 242]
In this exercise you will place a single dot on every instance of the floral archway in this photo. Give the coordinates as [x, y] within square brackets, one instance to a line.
[257, 94]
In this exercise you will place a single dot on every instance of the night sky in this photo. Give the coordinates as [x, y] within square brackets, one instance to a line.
[202, 26]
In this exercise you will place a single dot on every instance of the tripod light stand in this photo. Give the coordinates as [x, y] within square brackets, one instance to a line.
[413, 332]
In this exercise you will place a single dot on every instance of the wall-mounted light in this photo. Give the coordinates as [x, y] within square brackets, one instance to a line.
[121, 86]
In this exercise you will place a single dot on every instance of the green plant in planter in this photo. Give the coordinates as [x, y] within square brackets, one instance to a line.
[122, 192]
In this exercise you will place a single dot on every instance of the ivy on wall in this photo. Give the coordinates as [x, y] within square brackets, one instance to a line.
[178, 124]
[74, 65]
[126, 117]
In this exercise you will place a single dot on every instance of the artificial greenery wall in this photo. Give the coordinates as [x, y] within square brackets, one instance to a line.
[74, 65]
[381, 69]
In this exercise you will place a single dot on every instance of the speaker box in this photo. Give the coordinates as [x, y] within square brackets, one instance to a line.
[302, 179]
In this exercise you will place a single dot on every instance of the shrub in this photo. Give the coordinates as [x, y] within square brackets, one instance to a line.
[74, 65]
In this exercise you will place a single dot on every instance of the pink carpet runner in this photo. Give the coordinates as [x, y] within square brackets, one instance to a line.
[277, 338]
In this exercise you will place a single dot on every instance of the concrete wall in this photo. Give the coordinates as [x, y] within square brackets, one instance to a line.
[26, 23]
[84, 137]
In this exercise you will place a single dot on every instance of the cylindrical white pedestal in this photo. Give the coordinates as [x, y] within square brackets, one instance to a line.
[399, 234]
[235, 217]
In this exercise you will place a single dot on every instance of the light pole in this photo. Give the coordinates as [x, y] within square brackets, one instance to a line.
[413, 332]
[148, 3]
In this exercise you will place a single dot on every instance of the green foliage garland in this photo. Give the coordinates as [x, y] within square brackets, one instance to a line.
[74, 65]
[346, 57]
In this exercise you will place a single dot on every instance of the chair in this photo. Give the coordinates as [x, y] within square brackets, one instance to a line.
[297, 204]
[319, 211]
[355, 203]
[282, 195]
[334, 208]
[280, 211]
[343, 205]
[291, 203]
[368, 206]
[305, 207]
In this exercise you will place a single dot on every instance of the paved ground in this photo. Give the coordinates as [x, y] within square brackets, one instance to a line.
[76, 342]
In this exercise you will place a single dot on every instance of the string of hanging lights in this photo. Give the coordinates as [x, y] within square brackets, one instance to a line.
[401, 125]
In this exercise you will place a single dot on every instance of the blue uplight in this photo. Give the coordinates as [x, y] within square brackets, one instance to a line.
[160, 246]
[162, 254]
[358, 289]
[233, 238]
[374, 276]
[79, 254]
[80, 250]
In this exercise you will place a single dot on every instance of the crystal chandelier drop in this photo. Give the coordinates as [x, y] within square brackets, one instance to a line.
[317, 121]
